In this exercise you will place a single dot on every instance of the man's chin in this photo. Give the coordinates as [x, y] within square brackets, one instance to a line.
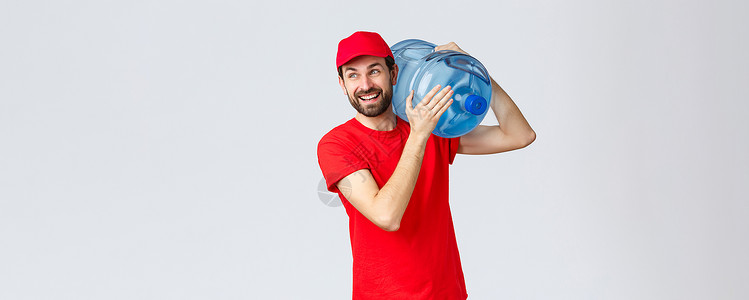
[374, 111]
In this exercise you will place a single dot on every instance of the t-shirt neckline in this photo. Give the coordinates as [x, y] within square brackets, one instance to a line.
[396, 131]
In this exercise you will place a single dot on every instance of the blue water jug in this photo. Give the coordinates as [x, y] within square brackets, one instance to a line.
[421, 68]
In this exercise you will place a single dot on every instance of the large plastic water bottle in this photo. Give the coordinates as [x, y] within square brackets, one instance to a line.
[421, 68]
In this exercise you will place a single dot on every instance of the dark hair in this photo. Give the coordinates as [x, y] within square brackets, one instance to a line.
[389, 62]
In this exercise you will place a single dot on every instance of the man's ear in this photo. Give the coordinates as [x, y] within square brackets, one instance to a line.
[343, 87]
[394, 74]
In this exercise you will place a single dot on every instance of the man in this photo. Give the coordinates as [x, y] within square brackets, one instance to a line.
[392, 176]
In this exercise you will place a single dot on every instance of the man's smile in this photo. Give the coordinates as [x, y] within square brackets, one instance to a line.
[369, 98]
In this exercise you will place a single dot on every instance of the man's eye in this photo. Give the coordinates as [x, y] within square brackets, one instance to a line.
[375, 71]
[352, 76]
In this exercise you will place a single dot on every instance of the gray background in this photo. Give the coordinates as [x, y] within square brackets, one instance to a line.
[166, 149]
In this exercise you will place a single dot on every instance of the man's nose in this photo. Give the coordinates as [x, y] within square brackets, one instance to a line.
[366, 83]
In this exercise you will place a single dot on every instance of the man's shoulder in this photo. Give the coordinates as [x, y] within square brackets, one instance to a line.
[341, 133]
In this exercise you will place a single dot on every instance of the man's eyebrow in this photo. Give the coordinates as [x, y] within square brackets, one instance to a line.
[368, 67]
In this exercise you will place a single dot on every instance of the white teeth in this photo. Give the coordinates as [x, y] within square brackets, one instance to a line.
[369, 97]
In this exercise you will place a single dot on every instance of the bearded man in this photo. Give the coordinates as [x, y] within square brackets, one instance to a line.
[392, 175]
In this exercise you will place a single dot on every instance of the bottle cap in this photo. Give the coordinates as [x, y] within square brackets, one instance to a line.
[475, 104]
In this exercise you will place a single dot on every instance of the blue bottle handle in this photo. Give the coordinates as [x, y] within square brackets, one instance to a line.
[453, 62]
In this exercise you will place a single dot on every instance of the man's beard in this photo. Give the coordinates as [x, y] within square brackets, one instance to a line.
[375, 109]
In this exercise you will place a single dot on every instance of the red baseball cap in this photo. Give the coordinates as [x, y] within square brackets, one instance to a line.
[361, 43]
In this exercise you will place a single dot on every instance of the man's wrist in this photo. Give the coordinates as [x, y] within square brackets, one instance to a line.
[418, 139]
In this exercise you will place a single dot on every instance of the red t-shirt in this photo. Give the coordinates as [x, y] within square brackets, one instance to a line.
[420, 260]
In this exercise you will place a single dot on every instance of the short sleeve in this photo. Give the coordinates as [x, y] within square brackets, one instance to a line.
[337, 161]
[454, 143]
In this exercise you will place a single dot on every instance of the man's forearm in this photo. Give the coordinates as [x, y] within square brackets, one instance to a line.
[394, 196]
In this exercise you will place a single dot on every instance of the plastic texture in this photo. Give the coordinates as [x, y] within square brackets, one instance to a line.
[421, 68]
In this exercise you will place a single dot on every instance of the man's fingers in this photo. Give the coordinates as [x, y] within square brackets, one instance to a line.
[409, 100]
[437, 103]
[449, 46]
[428, 96]
[443, 104]
[444, 92]
[444, 108]
[446, 97]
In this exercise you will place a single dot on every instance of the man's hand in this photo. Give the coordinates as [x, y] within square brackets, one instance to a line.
[424, 117]
[450, 46]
